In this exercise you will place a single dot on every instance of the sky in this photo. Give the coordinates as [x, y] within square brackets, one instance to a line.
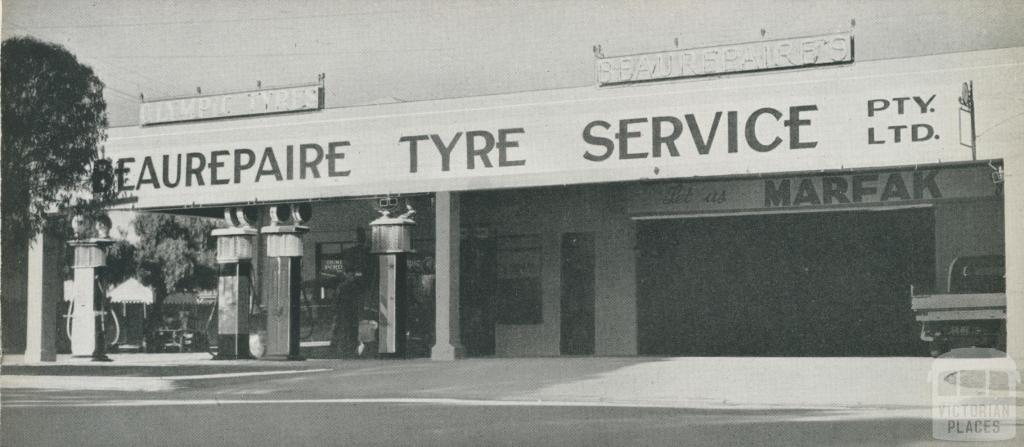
[391, 51]
[388, 51]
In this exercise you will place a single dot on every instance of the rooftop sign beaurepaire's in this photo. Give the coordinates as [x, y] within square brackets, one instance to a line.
[256, 102]
[745, 57]
[874, 114]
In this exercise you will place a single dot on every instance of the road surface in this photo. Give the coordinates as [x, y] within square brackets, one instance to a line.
[322, 408]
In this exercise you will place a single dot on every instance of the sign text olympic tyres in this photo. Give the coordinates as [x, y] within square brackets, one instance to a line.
[257, 102]
[869, 115]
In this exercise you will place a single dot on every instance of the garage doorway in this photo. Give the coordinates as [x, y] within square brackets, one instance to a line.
[805, 284]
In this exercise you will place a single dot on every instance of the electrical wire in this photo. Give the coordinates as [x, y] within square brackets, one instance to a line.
[203, 22]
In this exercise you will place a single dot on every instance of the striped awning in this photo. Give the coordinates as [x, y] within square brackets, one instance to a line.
[131, 291]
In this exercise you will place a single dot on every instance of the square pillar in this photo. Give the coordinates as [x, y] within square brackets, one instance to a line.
[45, 289]
[447, 345]
[1013, 215]
[393, 305]
[284, 246]
[83, 326]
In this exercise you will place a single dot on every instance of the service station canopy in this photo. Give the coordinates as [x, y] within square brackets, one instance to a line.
[874, 114]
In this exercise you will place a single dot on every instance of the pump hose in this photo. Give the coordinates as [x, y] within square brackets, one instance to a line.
[105, 305]
[211, 339]
[68, 316]
[309, 315]
[252, 294]
[117, 326]
[71, 311]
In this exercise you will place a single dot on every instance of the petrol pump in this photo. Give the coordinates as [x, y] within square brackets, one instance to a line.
[391, 241]
[234, 284]
[284, 244]
[87, 307]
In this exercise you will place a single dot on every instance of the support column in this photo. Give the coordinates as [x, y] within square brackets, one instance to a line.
[284, 243]
[44, 291]
[234, 286]
[1013, 215]
[447, 346]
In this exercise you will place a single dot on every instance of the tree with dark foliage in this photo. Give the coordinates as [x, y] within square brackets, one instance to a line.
[120, 263]
[174, 253]
[53, 122]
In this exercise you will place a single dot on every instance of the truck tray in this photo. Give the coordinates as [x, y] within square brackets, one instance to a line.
[959, 306]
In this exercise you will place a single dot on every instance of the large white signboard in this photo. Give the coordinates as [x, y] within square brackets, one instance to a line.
[889, 113]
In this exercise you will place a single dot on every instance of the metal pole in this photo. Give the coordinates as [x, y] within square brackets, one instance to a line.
[974, 135]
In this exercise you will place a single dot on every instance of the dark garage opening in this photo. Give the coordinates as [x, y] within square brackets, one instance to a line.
[804, 284]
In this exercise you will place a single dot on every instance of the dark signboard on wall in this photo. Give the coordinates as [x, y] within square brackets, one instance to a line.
[896, 187]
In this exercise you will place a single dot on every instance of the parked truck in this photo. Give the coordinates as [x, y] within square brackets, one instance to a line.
[973, 311]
